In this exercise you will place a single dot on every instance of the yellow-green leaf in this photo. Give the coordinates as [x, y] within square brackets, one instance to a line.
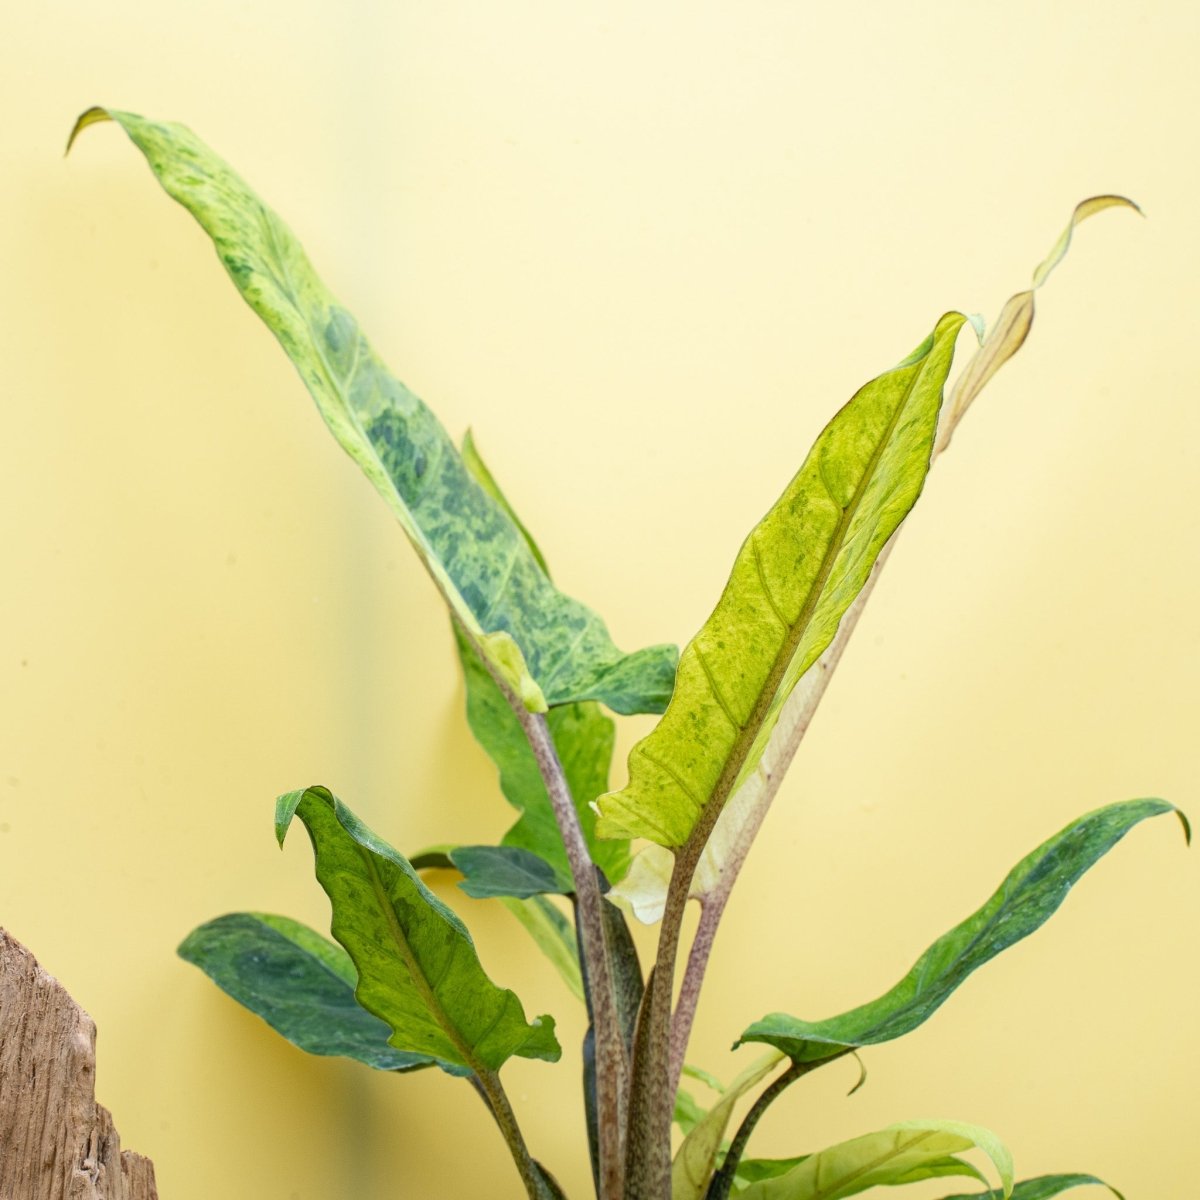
[794, 578]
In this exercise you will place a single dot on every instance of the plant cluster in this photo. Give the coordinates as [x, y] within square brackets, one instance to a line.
[401, 987]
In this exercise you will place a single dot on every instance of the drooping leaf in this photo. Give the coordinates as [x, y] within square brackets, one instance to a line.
[1044, 1187]
[492, 871]
[299, 983]
[548, 647]
[417, 966]
[1029, 895]
[755, 1170]
[793, 579]
[897, 1154]
[583, 737]
[696, 1159]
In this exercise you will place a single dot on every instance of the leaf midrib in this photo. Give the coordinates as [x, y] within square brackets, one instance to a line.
[415, 971]
[747, 733]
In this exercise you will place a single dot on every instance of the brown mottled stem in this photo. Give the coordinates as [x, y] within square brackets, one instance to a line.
[796, 717]
[611, 1065]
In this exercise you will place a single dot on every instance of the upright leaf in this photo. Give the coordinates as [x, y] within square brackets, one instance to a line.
[299, 983]
[900, 1153]
[417, 966]
[792, 581]
[549, 648]
[1044, 1187]
[1030, 894]
[696, 1159]
[643, 889]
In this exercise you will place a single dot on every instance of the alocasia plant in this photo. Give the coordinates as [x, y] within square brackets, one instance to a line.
[401, 987]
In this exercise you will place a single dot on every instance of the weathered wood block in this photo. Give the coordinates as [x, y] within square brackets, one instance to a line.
[56, 1142]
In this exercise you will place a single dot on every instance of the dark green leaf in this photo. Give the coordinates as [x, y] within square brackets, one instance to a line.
[299, 983]
[793, 579]
[416, 963]
[548, 647]
[1029, 895]
[1042, 1188]
[490, 871]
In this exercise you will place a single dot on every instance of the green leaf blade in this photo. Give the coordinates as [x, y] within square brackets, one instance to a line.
[901, 1153]
[793, 579]
[1029, 895]
[697, 1156]
[416, 963]
[548, 647]
[493, 872]
[300, 984]
[1043, 1187]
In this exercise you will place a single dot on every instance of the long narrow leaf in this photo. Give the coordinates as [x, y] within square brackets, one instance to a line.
[549, 648]
[299, 983]
[794, 578]
[417, 966]
[897, 1154]
[1030, 894]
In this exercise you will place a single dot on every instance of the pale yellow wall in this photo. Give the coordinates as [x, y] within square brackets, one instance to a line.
[645, 249]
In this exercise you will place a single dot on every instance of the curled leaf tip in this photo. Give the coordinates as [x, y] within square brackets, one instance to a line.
[1187, 826]
[91, 116]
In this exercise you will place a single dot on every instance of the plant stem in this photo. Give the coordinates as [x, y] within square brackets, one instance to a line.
[718, 1188]
[488, 1084]
[611, 1065]
[796, 717]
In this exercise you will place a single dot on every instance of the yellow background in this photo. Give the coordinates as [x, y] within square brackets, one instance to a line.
[645, 249]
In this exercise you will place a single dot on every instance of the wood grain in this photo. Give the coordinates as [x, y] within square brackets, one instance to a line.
[56, 1142]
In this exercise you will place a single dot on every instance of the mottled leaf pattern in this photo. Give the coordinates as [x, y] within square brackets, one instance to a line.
[417, 966]
[299, 983]
[1028, 897]
[548, 647]
[795, 576]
